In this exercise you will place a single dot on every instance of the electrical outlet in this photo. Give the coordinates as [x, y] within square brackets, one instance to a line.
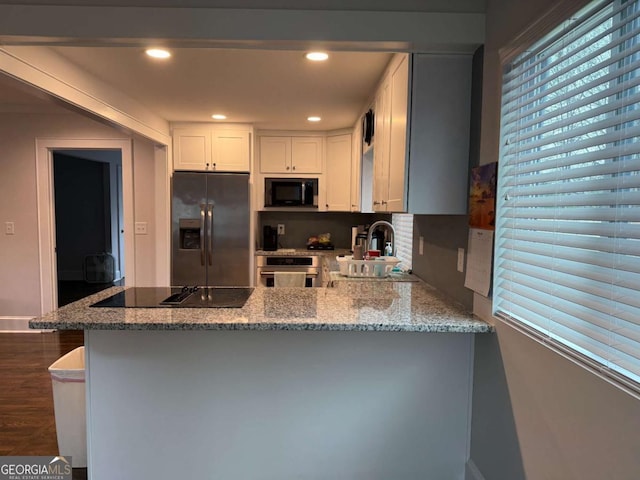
[461, 259]
[281, 229]
[421, 246]
[141, 228]
[9, 228]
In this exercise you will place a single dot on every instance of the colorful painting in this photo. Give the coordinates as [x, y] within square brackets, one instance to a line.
[482, 196]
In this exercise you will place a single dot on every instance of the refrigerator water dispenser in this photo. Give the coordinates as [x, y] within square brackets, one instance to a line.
[189, 233]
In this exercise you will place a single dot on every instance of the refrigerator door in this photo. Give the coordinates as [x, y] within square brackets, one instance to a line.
[228, 228]
[188, 224]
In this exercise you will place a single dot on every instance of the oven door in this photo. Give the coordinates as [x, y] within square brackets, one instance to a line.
[266, 277]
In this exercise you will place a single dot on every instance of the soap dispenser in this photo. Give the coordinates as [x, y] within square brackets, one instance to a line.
[388, 251]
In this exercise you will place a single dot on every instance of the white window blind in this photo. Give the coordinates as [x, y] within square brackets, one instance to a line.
[567, 260]
[403, 226]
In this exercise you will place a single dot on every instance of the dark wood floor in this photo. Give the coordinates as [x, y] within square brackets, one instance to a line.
[27, 423]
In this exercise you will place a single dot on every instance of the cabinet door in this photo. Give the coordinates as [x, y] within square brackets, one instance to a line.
[338, 173]
[381, 150]
[356, 167]
[399, 96]
[191, 149]
[275, 154]
[306, 155]
[230, 150]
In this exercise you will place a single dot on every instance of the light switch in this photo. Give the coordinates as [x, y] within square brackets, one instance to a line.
[141, 228]
[9, 228]
[281, 229]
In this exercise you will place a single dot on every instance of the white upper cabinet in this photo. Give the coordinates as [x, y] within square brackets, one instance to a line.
[231, 150]
[426, 171]
[390, 148]
[397, 112]
[338, 173]
[291, 155]
[275, 154]
[191, 148]
[223, 148]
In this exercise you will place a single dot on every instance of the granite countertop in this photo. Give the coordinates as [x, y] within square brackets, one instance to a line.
[349, 306]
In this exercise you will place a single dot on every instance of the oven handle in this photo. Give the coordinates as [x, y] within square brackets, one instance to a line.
[270, 274]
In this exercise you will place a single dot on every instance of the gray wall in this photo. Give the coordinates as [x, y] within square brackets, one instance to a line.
[443, 235]
[278, 405]
[537, 415]
[299, 226]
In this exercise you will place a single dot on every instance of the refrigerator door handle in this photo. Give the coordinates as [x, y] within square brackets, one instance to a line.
[202, 229]
[210, 215]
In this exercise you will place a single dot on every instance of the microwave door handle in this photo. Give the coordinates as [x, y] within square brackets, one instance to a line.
[210, 215]
[303, 193]
[202, 228]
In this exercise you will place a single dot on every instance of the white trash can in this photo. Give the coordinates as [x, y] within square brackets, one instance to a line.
[67, 377]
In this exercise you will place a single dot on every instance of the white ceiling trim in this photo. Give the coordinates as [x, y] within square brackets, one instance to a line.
[37, 70]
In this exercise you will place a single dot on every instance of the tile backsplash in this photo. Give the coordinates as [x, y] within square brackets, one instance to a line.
[299, 226]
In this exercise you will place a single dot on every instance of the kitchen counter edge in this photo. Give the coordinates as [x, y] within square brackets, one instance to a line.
[330, 309]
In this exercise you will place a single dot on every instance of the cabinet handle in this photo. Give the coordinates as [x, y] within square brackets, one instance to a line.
[214, 166]
[294, 167]
[376, 203]
[287, 168]
[327, 205]
[384, 202]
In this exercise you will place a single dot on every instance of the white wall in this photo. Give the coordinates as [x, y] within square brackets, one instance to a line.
[537, 415]
[19, 271]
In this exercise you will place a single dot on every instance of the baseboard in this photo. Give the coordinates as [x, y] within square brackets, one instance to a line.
[471, 471]
[17, 325]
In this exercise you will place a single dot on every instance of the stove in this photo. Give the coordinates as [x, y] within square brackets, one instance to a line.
[178, 297]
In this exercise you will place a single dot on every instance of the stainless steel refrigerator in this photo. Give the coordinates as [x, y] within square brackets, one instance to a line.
[210, 222]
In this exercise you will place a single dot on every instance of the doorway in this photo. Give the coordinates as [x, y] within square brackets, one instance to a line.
[89, 214]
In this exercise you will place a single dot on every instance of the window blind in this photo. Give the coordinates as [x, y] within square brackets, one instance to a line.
[403, 226]
[567, 259]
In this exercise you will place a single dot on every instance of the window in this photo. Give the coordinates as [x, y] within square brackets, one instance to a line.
[403, 226]
[567, 260]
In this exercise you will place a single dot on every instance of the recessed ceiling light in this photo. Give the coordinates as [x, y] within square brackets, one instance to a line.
[218, 116]
[314, 119]
[317, 56]
[158, 53]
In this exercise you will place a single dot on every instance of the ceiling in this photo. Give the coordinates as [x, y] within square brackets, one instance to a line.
[272, 89]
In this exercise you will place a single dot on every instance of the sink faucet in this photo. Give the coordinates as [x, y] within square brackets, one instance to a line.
[392, 237]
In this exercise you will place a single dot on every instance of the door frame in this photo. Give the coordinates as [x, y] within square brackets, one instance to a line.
[46, 209]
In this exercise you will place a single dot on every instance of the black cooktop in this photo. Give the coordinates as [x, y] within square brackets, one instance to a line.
[178, 297]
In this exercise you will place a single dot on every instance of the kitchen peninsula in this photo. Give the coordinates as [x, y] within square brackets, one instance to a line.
[367, 380]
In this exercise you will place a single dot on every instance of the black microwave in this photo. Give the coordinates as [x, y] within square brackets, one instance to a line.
[291, 192]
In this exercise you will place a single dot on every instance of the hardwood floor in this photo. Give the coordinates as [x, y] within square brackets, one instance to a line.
[27, 423]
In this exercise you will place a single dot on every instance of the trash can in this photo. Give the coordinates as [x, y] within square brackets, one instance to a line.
[67, 378]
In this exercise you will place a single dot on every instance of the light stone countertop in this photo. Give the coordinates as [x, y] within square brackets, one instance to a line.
[349, 306]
